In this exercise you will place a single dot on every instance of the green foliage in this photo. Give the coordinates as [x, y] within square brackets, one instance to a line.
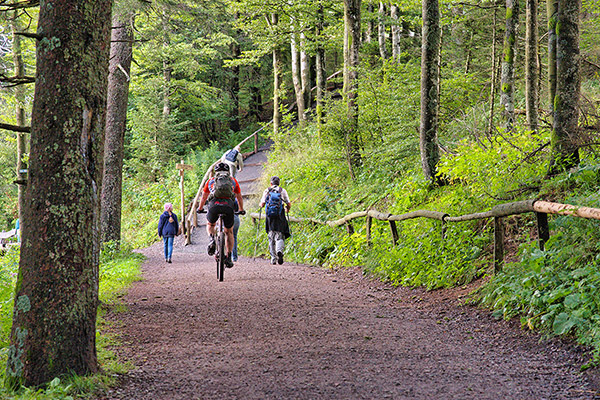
[555, 290]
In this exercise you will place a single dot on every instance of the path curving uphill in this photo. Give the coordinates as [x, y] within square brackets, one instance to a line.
[299, 332]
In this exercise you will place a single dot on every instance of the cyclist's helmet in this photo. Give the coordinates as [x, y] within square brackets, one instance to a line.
[221, 167]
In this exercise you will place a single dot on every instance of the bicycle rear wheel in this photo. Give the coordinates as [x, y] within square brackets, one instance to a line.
[222, 255]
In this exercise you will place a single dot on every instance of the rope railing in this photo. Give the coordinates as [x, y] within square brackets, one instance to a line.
[539, 207]
[191, 219]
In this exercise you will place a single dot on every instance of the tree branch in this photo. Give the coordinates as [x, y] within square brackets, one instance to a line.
[15, 128]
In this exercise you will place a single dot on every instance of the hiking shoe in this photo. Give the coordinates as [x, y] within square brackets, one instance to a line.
[211, 246]
[279, 257]
[169, 261]
[228, 262]
[273, 261]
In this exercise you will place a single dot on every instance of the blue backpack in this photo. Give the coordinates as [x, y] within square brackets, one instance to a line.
[274, 203]
[232, 155]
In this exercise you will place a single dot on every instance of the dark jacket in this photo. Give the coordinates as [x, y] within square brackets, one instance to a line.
[278, 224]
[166, 228]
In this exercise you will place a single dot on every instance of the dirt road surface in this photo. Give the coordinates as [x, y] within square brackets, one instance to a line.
[299, 332]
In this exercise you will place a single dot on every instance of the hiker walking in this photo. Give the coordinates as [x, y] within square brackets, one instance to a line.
[234, 159]
[276, 225]
[168, 227]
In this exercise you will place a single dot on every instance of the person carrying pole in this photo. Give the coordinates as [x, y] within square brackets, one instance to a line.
[277, 203]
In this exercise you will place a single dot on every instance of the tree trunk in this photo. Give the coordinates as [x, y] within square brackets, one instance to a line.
[167, 69]
[20, 117]
[116, 118]
[493, 74]
[320, 66]
[370, 29]
[304, 73]
[396, 32]
[531, 65]
[234, 117]
[276, 78]
[351, 61]
[552, 10]
[56, 296]
[381, 31]
[565, 134]
[429, 89]
[296, 79]
[507, 97]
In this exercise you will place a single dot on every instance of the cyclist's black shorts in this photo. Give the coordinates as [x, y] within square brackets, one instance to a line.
[224, 207]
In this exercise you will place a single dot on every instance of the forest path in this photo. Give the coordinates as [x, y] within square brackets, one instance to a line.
[299, 332]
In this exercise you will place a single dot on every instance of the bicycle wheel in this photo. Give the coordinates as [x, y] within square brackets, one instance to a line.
[222, 255]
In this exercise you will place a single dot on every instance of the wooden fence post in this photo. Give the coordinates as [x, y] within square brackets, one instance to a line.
[498, 243]
[182, 167]
[394, 230]
[255, 142]
[542, 228]
[369, 221]
[349, 228]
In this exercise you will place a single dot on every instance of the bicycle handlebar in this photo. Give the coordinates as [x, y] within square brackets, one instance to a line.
[243, 212]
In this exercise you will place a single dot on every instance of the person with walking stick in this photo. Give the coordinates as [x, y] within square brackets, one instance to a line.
[277, 203]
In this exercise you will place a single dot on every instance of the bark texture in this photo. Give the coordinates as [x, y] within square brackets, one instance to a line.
[396, 31]
[381, 34]
[116, 119]
[351, 60]
[531, 65]
[552, 10]
[276, 78]
[54, 320]
[507, 90]
[296, 78]
[430, 89]
[566, 135]
[320, 64]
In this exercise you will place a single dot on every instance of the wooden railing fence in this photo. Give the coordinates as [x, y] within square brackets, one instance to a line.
[499, 212]
[191, 219]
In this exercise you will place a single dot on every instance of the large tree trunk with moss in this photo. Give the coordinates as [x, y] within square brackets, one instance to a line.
[565, 133]
[20, 116]
[56, 297]
[507, 90]
[531, 65]
[351, 60]
[116, 118]
[430, 89]
[277, 66]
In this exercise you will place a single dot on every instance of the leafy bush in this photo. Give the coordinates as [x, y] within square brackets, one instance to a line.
[555, 290]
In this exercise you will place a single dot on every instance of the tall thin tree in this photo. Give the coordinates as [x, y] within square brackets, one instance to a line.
[116, 119]
[56, 296]
[507, 80]
[531, 64]
[565, 133]
[351, 61]
[430, 89]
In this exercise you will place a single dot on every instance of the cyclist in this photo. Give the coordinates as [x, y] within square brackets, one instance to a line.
[221, 191]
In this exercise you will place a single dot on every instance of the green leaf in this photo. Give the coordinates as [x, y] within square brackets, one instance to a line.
[562, 323]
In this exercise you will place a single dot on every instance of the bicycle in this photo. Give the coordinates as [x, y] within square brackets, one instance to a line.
[220, 254]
